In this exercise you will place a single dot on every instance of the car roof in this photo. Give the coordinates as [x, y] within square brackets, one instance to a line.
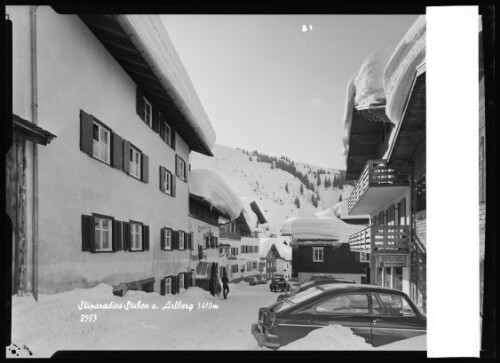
[358, 287]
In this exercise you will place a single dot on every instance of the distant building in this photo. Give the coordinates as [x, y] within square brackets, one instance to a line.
[277, 253]
[312, 256]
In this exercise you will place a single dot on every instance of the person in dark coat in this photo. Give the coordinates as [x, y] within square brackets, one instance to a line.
[225, 285]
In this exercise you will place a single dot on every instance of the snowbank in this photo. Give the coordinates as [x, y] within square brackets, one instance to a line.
[323, 224]
[400, 70]
[211, 187]
[331, 337]
[148, 33]
[250, 217]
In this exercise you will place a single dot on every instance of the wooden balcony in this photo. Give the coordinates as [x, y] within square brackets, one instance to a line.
[381, 239]
[229, 235]
[377, 184]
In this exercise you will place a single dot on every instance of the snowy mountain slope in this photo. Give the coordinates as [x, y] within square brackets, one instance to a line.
[249, 178]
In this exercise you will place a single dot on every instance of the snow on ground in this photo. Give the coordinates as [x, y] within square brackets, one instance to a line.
[331, 337]
[189, 321]
[257, 181]
[54, 323]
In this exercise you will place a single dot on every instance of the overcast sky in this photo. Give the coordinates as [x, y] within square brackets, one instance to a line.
[277, 83]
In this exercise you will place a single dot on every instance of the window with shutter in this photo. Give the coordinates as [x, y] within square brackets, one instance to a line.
[134, 158]
[140, 104]
[167, 239]
[135, 236]
[181, 245]
[148, 112]
[168, 285]
[156, 120]
[103, 234]
[165, 181]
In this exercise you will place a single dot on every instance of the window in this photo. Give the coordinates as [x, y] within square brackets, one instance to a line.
[167, 131]
[135, 162]
[135, 236]
[166, 183]
[103, 234]
[181, 281]
[345, 304]
[249, 266]
[168, 285]
[317, 254]
[148, 112]
[234, 251]
[234, 269]
[101, 142]
[181, 240]
[167, 239]
[181, 168]
[395, 305]
[254, 265]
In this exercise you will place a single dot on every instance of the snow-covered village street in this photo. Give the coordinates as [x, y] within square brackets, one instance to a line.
[159, 162]
[192, 320]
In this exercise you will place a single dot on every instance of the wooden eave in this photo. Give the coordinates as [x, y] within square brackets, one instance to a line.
[30, 131]
[107, 30]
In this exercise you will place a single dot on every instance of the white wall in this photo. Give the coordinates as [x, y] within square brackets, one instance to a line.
[76, 72]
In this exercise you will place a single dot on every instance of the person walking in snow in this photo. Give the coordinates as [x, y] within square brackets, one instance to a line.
[225, 285]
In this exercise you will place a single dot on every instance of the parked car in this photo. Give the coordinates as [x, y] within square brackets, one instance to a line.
[313, 282]
[252, 280]
[261, 280]
[279, 283]
[378, 314]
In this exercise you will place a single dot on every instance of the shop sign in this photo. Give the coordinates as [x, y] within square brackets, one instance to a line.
[392, 261]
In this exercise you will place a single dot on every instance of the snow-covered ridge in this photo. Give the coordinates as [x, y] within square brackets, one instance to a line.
[149, 34]
[209, 186]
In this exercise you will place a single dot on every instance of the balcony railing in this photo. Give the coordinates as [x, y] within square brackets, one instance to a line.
[382, 239]
[375, 173]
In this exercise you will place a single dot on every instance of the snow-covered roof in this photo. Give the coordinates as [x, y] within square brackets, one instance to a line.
[321, 225]
[385, 78]
[209, 186]
[401, 68]
[148, 34]
[251, 217]
[285, 250]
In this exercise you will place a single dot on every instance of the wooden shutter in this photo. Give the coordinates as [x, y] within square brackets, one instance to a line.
[126, 156]
[145, 238]
[162, 126]
[172, 133]
[156, 119]
[216, 242]
[117, 158]
[126, 236]
[86, 132]
[175, 240]
[191, 237]
[174, 283]
[88, 233]
[172, 185]
[140, 104]
[186, 280]
[162, 179]
[145, 168]
[176, 165]
[163, 286]
[178, 283]
[162, 239]
[117, 236]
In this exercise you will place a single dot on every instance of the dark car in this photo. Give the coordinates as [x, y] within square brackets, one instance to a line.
[314, 282]
[252, 280]
[279, 283]
[378, 314]
[261, 280]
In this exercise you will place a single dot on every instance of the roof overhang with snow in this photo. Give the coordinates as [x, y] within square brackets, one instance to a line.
[140, 44]
[256, 209]
[364, 138]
